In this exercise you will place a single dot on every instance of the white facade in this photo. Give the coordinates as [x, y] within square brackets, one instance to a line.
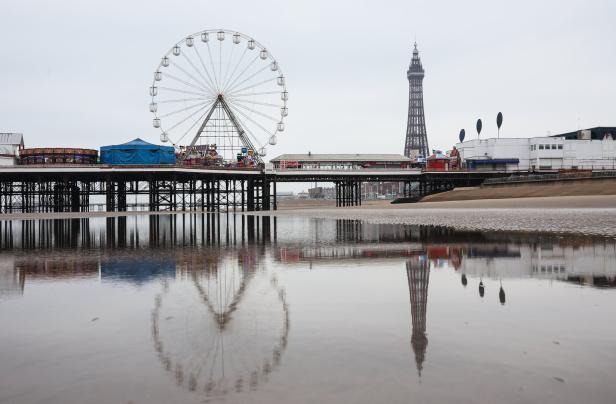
[542, 153]
[10, 145]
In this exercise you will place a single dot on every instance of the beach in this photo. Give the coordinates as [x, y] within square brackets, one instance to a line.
[584, 215]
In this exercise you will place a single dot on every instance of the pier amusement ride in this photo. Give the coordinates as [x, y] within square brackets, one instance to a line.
[219, 92]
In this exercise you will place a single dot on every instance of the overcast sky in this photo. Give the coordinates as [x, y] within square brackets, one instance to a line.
[76, 73]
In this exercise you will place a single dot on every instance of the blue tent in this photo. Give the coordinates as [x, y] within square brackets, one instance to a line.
[137, 152]
[138, 271]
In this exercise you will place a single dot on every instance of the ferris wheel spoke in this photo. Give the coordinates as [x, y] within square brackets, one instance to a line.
[243, 71]
[266, 104]
[260, 93]
[205, 82]
[186, 83]
[235, 69]
[203, 65]
[193, 125]
[258, 113]
[253, 85]
[182, 100]
[185, 119]
[248, 131]
[249, 77]
[220, 62]
[201, 84]
[228, 68]
[248, 118]
[209, 51]
[184, 91]
[183, 109]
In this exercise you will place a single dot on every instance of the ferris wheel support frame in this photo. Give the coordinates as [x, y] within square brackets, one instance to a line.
[241, 133]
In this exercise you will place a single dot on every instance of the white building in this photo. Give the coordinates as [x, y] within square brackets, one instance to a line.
[10, 145]
[585, 149]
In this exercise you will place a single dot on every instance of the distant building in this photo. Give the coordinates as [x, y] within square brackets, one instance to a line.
[322, 193]
[10, 145]
[381, 190]
[585, 149]
[285, 194]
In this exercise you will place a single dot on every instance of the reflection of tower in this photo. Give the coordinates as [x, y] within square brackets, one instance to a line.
[416, 136]
[418, 274]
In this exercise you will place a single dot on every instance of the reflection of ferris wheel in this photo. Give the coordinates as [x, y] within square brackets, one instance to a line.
[234, 348]
[219, 87]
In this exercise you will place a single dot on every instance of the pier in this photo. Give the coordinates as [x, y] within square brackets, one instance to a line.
[178, 188]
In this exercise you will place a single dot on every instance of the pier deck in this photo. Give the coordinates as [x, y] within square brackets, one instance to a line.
[69, 188]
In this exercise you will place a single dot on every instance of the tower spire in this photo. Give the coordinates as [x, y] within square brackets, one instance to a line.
[416, 135]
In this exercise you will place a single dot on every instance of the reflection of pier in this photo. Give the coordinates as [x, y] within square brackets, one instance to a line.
[169, 230]
[418, 275]
[137, 249]
[16, 270]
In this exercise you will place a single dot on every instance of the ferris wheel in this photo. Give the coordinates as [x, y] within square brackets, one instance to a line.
[220, 89]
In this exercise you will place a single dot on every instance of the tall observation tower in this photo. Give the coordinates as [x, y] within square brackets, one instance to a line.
[416, 136]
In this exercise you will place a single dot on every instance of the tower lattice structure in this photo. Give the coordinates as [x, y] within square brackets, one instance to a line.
[418, 275]
[416, 135]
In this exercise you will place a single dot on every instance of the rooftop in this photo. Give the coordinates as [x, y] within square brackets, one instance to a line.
[11, 138]
[356, 157]
[596, 133]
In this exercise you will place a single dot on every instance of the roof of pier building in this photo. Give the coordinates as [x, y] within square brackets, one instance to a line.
[596, 133]
[15, 139]
[342, 158]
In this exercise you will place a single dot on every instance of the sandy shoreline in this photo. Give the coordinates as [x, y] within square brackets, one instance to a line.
[584, 215]
[546, 202]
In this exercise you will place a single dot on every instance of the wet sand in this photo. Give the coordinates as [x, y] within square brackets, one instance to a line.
[586, 215]
[589, 215]
[545, 202]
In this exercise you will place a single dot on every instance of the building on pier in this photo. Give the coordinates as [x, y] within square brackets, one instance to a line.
[56, 155]
[353, 161]
[10, 146]
[587, 149]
